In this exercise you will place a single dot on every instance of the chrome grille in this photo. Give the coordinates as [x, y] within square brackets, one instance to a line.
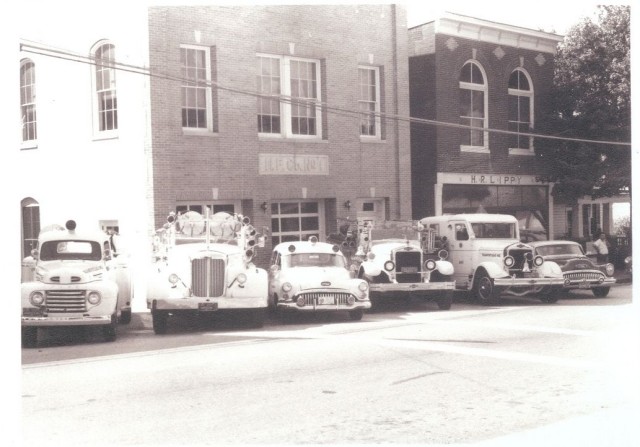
[584, 276]
[207, 277]
[519, 256]
[408, 266]
[311, 298]
[63, 301]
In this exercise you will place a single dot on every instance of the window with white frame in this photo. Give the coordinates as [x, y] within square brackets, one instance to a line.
[369, 101]
[106, 99]
[197, 100]
[201, 207]
[28, 101]
[473, 107]
[520, 111]
[298, 80]
[295, 221]
[30, 225]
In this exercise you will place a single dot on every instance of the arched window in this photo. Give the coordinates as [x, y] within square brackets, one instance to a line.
[473, 107]
[520, 111]
[28, 100]
[106, 101]
[30, 225]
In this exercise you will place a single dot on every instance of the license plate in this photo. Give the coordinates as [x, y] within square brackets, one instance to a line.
[324, 300]
[207, 307]
[584, 285]
[409, 269]
[33, 311]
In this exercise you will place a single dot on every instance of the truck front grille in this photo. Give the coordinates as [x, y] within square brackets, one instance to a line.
[207, 277]
[408, 266]
[66, 301]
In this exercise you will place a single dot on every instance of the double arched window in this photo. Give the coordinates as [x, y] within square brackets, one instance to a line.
[28, 101]
[520, 111]
[106, 100]
[473, 107]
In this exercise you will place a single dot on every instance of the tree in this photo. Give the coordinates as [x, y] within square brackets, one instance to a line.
[591, 100]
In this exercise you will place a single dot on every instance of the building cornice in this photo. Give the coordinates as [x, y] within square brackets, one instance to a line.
[497, 33]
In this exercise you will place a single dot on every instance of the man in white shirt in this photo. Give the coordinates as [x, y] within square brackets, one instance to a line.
[602, 247]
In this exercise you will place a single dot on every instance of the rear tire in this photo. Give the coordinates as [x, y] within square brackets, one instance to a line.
[159, 321]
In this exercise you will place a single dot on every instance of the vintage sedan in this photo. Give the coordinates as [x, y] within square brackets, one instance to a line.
[312, 276]
[578, 270]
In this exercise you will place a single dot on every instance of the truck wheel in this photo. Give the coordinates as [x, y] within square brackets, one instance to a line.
[356, 314]
[600, 292]
[485, 291]
[29, 337]
[159, 321]
[444, 300]
[109, 331]
[255, 318]
[125, 317]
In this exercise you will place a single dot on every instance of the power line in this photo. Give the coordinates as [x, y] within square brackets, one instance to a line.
[90, 60]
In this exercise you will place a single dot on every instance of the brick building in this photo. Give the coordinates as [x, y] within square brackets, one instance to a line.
[485, 75]
[274, 112]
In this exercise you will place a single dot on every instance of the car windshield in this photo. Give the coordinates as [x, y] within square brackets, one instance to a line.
[313, 260]
[70, 250]
[494, 230]
[559, 250]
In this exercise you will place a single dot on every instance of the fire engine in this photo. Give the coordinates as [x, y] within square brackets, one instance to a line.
[401, 259]
[203, 265]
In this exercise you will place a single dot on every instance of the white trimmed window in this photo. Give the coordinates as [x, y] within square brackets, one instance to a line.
[28, 101]
[201, 207]
[197, 99]
[295, 221]
[520, 112]
[473, 108]
[297, 80]
[369, 101]
[106, 100]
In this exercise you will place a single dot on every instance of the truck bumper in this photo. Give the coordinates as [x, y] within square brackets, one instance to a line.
[66, 321]
[208, 304]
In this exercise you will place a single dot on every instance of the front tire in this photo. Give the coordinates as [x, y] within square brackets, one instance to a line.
[356, 314]
[485, 291]
[29, 337]
[125, 316]
[109, 331]
[444, 300]
[159, 321]
[255, 318]
[600, 292]
[550, 295]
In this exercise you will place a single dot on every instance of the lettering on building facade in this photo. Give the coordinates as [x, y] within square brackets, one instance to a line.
[292, 164]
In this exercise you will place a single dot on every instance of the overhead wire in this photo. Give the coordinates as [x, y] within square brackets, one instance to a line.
[35, 48]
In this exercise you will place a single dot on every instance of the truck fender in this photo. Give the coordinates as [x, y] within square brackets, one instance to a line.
[550, 269]
[370, 269]
[444, 267]
[492, 269]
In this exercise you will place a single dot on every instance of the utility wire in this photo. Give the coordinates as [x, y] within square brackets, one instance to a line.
[90, 60]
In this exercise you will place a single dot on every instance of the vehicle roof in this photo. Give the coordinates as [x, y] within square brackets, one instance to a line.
[552, 242]
[306, 247]
[66, 235]
[477, 217]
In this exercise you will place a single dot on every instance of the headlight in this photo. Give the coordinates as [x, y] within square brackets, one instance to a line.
[351, 300]
[94, 298]
[173, 278]
[371, 255]
[610, 269]
[528, 256]
[430, 264]
[287, 287]
[509, 261]
[389, 265]
[538, 261]
[363, 286]
[36, 298]
[627, 260]
[242, 278]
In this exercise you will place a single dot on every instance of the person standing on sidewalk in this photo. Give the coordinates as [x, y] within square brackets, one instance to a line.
[602, 247]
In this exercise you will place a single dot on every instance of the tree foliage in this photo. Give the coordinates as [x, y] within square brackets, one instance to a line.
[591, 100]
